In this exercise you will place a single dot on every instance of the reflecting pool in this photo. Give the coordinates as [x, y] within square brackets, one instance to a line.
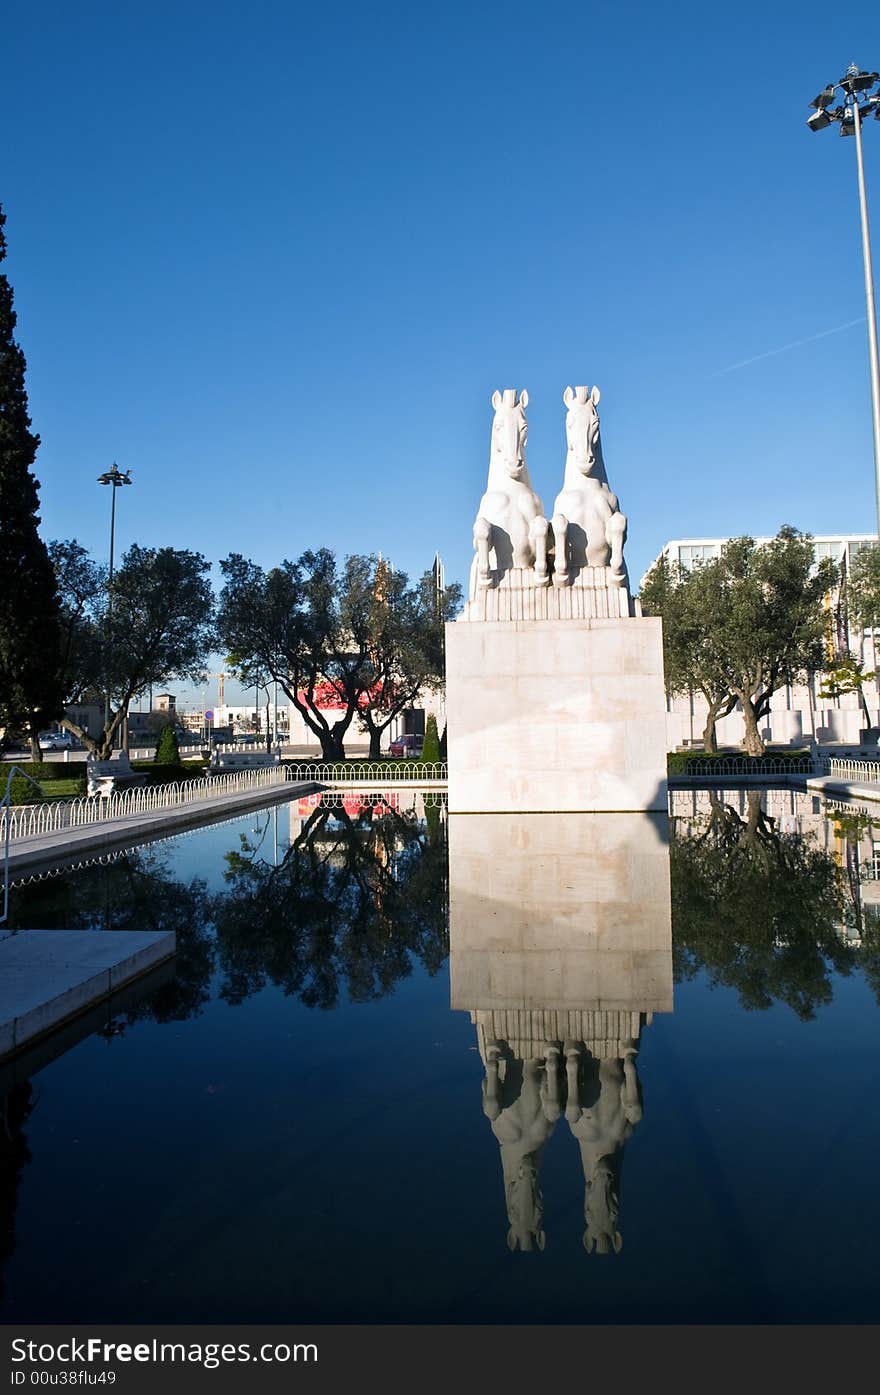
[411, 1067]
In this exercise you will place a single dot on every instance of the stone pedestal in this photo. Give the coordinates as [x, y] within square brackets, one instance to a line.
[551, 714]
[554, 919]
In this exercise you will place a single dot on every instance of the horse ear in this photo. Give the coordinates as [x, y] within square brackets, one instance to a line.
[511, 1239]
[496, 399]
[589, 1242]
[568, 396]
[524, 398]
[595, 395]
[541, 1239]
[617, 1242]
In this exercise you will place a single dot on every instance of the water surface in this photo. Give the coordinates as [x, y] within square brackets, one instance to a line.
[351, 1099]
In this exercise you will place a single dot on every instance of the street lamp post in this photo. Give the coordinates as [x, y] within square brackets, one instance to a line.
[858, 103]
[115, 478]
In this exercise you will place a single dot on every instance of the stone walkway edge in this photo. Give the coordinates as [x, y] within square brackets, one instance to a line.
[48, 849]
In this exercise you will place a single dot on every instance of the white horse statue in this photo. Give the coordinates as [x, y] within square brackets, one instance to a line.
[521, 1098]
[601, 1130]
[588, 527]
[510, 528]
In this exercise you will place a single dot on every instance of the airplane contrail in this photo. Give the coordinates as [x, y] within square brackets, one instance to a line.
[795, 344]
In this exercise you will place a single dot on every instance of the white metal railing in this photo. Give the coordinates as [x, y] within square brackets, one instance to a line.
[371, 775]
[852, 768]
[32, 820]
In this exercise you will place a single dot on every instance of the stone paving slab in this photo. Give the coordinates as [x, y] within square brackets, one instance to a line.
[46, 976]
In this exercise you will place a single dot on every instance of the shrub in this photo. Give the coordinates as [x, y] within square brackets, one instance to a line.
[431, 748]
[443, 743]
[167, 749]
[44, 770]
[21, 791]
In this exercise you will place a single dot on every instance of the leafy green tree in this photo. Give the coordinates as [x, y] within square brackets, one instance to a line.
[863, 590]
[431, 747]
[847, 675]
[159, 626]
[167, 749]
[356, 640]
[30, 686]
[757, 911]
[744, 624]
[680, 598]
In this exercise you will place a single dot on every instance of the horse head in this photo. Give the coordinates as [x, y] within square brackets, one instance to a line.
[601, 1210]
[525, 1208]
[582, 430]
[509, 432]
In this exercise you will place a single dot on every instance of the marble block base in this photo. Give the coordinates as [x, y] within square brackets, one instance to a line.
[550, 715]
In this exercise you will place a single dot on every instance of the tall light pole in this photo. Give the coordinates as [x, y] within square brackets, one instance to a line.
[115, 478]
[858, 103]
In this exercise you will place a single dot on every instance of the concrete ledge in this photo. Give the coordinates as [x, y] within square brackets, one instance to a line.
[68, 844]
[832, 787]
[48, 976]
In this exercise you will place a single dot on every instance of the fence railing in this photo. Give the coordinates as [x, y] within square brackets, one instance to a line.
[371, 774]
[852, 768]
[32, 820]
[721, 767]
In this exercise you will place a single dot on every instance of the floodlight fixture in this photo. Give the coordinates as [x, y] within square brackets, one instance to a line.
[824, 98]
[859, 102]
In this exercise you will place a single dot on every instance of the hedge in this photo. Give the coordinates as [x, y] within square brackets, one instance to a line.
[679, 762]
[45, 770]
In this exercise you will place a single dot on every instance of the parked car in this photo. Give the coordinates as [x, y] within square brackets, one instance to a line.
[55, 741]
[408, 746]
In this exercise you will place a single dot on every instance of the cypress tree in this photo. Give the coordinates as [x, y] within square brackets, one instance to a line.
[167, 749]
[431, 747]
[30, 683]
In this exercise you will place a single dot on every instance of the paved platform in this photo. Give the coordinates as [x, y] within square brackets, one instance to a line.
[48, 976]
[69, 844]
[833, 787]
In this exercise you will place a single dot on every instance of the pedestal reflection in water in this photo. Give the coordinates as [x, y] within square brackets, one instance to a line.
[560, 938]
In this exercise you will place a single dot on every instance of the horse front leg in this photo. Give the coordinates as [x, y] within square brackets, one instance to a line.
[561, 574]
[615, 535]
[482, 543]
[572, 1077]
[552, 1107]
[538, 539]
[491, 1102]
[632, 1107]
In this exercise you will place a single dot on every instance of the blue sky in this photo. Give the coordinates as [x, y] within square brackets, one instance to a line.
[275, 260]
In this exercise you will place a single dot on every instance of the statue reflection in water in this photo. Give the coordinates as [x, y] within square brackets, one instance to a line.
[595, 1084]
[561, 960]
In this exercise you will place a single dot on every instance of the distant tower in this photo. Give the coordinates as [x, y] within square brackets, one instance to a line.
[438, 571]
[380, 583]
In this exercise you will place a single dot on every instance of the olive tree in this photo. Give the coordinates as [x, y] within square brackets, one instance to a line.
[154, 622]
[742, 625]
[358, 639]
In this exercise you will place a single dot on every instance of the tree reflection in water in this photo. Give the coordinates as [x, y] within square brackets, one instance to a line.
[758, 910]
[357, 896]
[136, 891]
